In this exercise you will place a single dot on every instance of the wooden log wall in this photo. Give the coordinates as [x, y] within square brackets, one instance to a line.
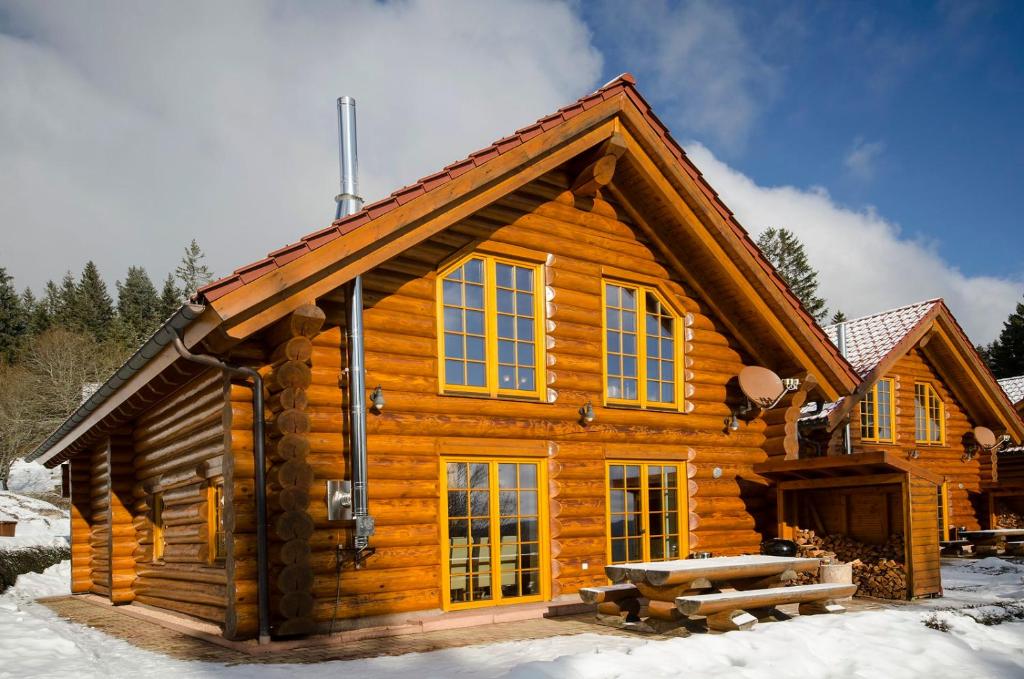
[290, 477]
[418, 425]
[241, 617]
[923, 548]
[869, 514]
[81, 525]
[966, 504]
[123, 539]
[178, 447]
[99, 534]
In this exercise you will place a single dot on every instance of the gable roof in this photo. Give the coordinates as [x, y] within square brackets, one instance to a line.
[1014, 388]
[260, 293]
[875, 343]
[871, 338]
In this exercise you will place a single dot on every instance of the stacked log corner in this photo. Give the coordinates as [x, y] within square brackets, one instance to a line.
[123, 542]
[81, 525]
[290, 476]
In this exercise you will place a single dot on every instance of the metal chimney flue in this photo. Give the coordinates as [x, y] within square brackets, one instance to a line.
[841, 344]
[349, 201]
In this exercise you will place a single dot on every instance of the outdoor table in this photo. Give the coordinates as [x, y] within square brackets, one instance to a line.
[718, 588]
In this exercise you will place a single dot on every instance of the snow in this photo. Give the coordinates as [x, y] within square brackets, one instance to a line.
[39, 522]
[893, 643]
[32, 477]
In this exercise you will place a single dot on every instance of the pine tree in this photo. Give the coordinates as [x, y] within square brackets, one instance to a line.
[13, 321]
[66, 303]
[36, 313]
[170, 298]
[786, 253]
[838, 317]
[1006, 354]
[93, 307]
[192, 273]
[138, 307]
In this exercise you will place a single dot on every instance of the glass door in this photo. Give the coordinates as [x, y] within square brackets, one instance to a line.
[645, 512]
[493, 527]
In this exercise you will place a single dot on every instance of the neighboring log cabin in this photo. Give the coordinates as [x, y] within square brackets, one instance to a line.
[923, 391]
[1006, 497]
[552, 327]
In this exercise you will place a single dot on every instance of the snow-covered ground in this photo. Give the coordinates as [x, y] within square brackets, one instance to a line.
[32, 477]
[39, 522]
[889, 643]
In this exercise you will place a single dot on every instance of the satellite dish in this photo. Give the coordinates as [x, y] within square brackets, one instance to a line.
[985, 438]
[761, 386]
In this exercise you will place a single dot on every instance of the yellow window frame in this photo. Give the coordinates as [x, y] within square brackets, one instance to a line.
[682, 502]
[931, 397]
[490, 311]
[943, 511]
[874, 436]
[215, 522]
[157, 527]
[543, 540]
[641, 334]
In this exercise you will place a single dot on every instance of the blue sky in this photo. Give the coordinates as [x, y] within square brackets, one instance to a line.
[889, 137]
[916, 108]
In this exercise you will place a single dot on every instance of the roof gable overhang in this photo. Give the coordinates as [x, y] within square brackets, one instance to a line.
[945, 344]
[786, 336]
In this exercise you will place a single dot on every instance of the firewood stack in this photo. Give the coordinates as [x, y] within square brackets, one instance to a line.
[1009, 519]
[877, 569]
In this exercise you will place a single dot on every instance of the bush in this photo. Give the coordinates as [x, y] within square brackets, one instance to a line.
[14, 562]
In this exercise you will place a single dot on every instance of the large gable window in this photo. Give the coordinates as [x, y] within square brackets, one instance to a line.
[641, 348]
[929, 414]
[490, 328]
[876, 413]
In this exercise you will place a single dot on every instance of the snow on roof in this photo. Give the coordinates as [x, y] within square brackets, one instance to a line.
[1014, 387]
[870, 339]
[813, 412]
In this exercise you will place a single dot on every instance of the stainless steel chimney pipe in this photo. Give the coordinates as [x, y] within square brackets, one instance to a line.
[841, 342]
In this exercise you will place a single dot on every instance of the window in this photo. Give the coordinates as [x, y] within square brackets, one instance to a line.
[876, 413]
[494, 532]
[157, 527]
[491, 328]
[929, 415]
[218, 540]
[645, 512]
[641, 348]
[943, 505]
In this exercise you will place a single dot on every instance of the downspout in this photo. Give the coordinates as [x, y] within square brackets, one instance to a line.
[262, 583]
[349, 202]
[847, 443]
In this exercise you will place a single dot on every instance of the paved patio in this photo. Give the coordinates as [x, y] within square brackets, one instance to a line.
[172, 636]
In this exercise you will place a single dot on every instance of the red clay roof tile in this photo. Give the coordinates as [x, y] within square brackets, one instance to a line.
[289, 253]
[251, 272]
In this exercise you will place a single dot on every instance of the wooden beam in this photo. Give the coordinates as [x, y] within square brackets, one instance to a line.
[599, 171]
[842, 482]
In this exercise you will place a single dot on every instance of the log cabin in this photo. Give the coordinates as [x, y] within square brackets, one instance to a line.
[1006, 497]
[923, 390]
[547, 334]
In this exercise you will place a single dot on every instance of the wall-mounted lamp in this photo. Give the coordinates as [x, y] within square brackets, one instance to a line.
[377, 399]
[587, 413]
[732, 423]
[914, 454]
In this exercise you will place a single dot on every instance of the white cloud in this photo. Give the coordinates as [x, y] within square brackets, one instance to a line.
[129, 128]
[865, 264]
[861, 159]
[695, 55]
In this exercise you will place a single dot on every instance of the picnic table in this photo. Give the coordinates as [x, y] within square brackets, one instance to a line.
[731, 592]
[995, 541]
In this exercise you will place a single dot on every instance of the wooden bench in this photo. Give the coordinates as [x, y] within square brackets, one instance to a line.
[725, 610]
[1015, 548]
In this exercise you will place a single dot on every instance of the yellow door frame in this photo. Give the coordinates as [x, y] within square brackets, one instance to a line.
[494, 518]
[682, 506]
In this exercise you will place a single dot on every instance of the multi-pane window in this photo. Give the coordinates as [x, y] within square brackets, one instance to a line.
[876, 413]
[644, 512]
[490, 328]
[641, 348]
[493, 531]
[157, 527]
[943, 512]
[218, 538]
[929, 414]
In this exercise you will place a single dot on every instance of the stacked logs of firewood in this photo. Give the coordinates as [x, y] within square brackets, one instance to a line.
[1009, 519]
[877, 569]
